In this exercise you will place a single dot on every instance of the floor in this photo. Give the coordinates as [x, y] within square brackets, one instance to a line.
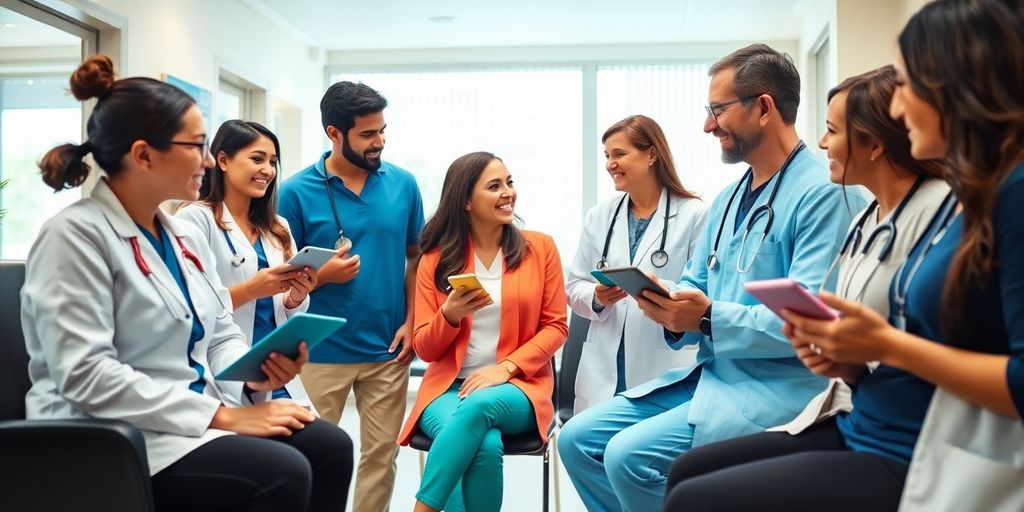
[523, 484]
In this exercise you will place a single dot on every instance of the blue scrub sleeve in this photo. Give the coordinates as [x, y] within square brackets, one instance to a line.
[1010, 258]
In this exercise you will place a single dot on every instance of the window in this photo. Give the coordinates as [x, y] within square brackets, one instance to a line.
[231, 102]
[674, 96]
[530, 118]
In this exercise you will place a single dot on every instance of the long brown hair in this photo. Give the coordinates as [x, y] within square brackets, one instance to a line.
[448, 228]
[643, 133]
[233, 136]
[966, 59]
[867, 120]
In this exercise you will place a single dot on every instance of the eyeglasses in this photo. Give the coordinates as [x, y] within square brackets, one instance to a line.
[715, 109]
[204, 147]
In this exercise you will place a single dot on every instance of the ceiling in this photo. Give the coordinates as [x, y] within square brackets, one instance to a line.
[17, 31]
[410, 24]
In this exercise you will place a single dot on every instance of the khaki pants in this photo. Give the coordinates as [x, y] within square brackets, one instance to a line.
[380, 390]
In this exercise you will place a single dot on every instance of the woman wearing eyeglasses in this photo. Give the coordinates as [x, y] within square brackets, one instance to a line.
[955, 328]
[125, 317]
[654, 225]
[236, 214]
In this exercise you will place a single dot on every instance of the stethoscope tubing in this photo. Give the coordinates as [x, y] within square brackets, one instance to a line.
[659, 256]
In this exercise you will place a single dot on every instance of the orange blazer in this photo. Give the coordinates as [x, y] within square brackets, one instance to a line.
[533, 327]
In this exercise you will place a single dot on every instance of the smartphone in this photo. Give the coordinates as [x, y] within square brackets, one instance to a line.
[633, 281]
[601, 278]
[468, 281]
[779, 294]
[312, 257]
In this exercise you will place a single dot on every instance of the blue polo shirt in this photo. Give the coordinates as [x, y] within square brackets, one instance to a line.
[386, 217]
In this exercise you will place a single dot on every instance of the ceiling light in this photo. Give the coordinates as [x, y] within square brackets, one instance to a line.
[8, 25]
[442, 19]
[30, 82]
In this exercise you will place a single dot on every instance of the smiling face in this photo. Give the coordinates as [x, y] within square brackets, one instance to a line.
[628, 165]
[251, 170]
[493, 199]
[734, 124]
[924, 124]
[363, 143]
[181, 167]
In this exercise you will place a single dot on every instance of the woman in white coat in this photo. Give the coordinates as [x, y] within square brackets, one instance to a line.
[250, 242]
[654, 225]
[125, 318]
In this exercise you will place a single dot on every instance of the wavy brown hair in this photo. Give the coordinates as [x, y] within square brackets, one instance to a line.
[966, 59]
[868, 96]
[448, 228]
[643, 133]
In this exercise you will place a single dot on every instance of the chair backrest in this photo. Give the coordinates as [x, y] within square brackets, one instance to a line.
[571, 352]
[14, 382]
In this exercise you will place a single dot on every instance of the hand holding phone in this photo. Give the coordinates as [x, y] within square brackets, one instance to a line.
[467, 297]
[785, 293]
[312, 257]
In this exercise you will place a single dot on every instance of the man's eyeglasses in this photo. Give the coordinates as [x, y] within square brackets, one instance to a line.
[715, 109]
[204, 147]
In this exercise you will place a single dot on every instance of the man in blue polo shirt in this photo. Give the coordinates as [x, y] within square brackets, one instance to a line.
[370, 211]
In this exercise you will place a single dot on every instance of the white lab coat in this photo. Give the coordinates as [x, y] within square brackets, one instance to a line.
[231, 275]
[106, 341]
[647, 354]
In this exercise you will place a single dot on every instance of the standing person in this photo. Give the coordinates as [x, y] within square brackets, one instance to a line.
[654, 225]
[782, 219]
[489, 352]
[372, 213]
[250, 242]
[955, 326]
[123, 320]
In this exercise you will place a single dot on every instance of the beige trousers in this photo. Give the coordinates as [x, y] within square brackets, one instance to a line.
[380, 390]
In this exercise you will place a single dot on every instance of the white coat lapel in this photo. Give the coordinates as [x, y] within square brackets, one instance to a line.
[125, 227]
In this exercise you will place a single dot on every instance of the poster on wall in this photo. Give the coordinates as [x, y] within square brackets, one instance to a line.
[203, 97]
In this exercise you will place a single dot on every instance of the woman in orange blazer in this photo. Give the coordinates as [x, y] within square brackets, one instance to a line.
[488, 350]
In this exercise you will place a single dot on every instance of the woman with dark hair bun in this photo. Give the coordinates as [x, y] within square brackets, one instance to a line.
[236, 213]
[125, 317]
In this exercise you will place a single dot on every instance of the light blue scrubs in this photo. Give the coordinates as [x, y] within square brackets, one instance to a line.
[747, 379]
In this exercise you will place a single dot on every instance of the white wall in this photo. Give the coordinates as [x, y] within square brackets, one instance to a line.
[193, 39]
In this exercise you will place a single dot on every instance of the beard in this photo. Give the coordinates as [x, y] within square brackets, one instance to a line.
[741, 147]
[360, 161]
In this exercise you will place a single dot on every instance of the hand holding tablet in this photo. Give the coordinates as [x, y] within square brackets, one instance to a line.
[780, 294]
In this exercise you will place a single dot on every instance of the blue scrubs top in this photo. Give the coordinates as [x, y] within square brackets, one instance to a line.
[264, 321]
[382, 221]
[166, 251]
[890, 404]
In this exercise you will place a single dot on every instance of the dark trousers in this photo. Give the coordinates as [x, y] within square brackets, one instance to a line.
[310, 470]
[776, 471]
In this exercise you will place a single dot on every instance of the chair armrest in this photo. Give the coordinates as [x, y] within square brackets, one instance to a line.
[74, 465]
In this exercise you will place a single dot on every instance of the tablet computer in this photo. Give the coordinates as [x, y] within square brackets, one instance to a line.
[779, 294]
[601, 278]
[312, 257]
[285, 341]
[632, 280]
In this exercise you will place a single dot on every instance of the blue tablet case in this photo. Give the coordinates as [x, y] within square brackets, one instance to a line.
[285, 341]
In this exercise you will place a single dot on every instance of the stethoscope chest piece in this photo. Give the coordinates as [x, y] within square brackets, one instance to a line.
[713, 261]
[659, 258]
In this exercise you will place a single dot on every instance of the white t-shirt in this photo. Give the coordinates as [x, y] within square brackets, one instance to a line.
[483, 338]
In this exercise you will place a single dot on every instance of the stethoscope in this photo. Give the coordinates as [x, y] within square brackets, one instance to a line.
[164, 291]
[853, 239]
[236, 259]
[760, 210]
[659, 258]
[901, 287]
[342, 240]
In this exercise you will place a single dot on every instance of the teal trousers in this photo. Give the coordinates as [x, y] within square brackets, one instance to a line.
[464, 465]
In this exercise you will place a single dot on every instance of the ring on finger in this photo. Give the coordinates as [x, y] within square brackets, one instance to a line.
[816, 349]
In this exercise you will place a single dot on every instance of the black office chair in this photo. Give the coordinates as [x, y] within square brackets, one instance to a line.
[87, 464]
[569, 364]
[515, 444]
